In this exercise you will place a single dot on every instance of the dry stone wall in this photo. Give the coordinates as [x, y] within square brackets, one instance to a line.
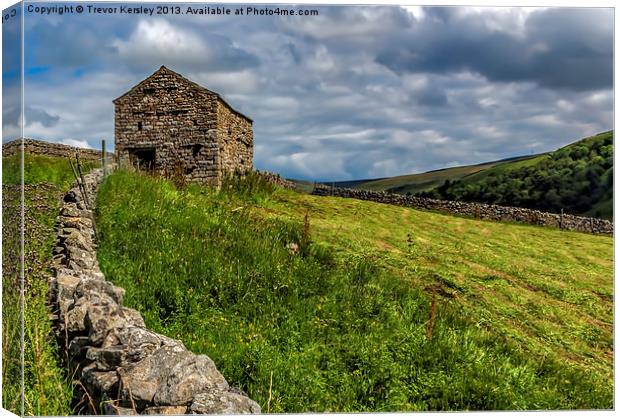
[275, 178]
[122, 367]
[476, 210]
[50, 149]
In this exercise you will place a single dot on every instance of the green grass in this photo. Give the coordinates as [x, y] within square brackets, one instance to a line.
[11, 311]
[40, 168]
[522, 319]
[47, 390]
[505, 167]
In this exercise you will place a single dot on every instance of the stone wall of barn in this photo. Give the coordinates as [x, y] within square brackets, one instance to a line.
[235, 137]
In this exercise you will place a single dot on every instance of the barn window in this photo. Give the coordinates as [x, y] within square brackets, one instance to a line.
[139, 126]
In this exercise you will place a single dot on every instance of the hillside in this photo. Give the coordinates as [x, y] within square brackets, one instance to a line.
[327, 304]
[577, 178]
[414, 183]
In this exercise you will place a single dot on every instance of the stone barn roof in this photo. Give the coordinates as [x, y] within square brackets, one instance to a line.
[196, 86]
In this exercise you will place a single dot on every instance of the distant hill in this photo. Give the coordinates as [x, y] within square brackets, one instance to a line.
[353, 183]
[577, 178]
[415, 183]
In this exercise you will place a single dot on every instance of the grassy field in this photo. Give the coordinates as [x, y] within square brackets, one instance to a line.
[46, 388]
[326, 304]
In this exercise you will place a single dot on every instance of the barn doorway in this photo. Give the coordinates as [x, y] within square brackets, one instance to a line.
[143, 158]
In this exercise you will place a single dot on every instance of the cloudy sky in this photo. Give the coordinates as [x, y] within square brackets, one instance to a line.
[356, 92]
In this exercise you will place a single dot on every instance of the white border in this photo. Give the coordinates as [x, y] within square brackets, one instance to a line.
[482, 3]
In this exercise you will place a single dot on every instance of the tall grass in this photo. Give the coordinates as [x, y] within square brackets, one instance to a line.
[315, 330]
[11, 300]
[47, 390]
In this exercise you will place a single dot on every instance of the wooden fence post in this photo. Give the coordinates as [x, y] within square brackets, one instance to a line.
[103, 157]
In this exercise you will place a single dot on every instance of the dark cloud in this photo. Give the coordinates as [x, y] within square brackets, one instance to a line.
[35, 115]
[560, 48]
[11, 113]
[432, 97]
[64, 45]
[296, 56]
[11, 128]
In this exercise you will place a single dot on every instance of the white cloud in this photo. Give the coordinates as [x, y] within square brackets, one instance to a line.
[10, 132]
[600, 97]
[305, 163]
[321, 61]
[384, 168]
[158, 41]
[545, 120]
[183, 48]
[280, 102]
[510, 20]
[565, 105]
[81, 116]
[76, 143]
[350, 23]
[228, 83]
[416, 11]
[343, 135]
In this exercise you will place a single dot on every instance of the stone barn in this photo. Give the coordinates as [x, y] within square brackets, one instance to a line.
[169, 124]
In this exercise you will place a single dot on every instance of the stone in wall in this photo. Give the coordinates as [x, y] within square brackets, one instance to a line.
[235, 137]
